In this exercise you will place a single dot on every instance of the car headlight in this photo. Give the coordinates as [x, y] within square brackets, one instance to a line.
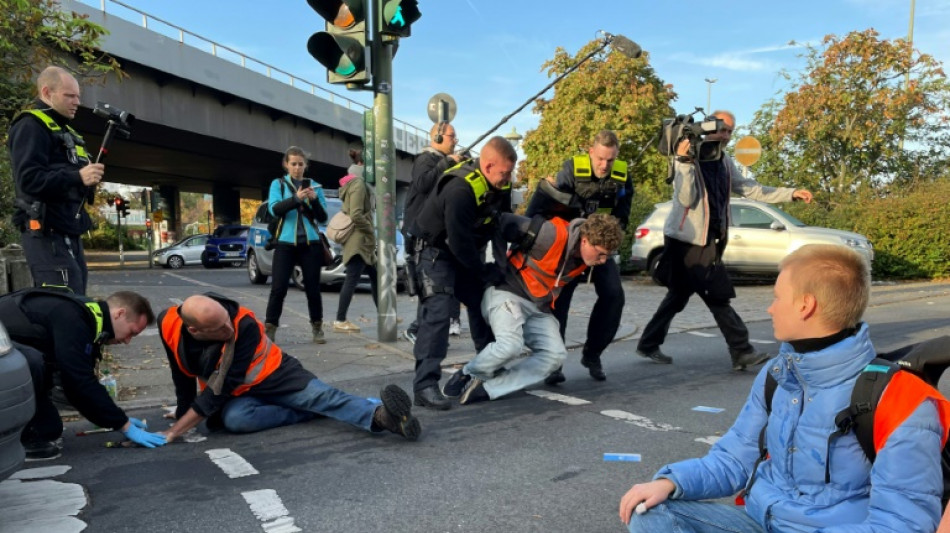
[857, 243]
[6, 345]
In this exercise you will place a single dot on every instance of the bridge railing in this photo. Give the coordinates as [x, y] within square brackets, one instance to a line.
[227, 53]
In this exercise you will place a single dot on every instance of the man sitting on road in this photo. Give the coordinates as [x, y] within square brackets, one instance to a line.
[249, 384]
[520, 309]
[812, 478]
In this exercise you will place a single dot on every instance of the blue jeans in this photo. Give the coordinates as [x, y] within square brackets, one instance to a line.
[248, 413]
[685, 516]
[516, 323]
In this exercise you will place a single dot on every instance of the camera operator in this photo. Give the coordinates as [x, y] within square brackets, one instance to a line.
[53, 176]
[695, 237]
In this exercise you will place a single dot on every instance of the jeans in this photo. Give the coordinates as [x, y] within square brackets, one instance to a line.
[248, 413]
[684, 516]
[354, 270]
[310, 259]
[516, 323]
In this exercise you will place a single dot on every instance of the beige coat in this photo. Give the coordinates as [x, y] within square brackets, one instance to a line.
[357, 203]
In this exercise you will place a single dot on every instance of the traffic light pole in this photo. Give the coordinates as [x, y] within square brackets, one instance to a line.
[385, 180]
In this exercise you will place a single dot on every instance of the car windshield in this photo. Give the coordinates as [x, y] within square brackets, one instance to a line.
[230, 232]
[790, 218]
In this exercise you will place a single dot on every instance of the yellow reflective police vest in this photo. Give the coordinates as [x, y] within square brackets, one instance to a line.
[583, 172]
[598, 195]
[75, 144]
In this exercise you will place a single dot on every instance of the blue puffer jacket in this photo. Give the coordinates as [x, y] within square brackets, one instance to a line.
[282, 202]
[900, 493]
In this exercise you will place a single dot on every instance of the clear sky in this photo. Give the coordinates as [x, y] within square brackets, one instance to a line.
[488, 53]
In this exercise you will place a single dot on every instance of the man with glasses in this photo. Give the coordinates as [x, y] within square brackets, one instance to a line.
[595, 182]
[456, 223]
[546, 258]
[246, 383]
[431, 163]
[695, 236]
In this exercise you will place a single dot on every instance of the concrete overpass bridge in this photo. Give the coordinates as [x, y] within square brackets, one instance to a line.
[211, 120]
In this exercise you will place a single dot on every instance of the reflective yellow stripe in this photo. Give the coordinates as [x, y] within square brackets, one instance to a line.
[619, 171]
[582, 166]
[96, 311]
[46, 119]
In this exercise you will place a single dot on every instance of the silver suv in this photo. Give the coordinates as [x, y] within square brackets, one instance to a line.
[260, 262]
[760, 235]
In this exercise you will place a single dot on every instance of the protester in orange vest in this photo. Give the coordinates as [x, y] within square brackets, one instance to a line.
[547, 256]
[247, 383]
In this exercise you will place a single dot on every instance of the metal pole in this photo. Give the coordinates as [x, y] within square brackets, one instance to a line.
[910, 52]
[709, 82]
[385, 179]
[118, 231]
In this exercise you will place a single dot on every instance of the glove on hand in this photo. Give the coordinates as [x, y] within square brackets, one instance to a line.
[141, 424]
[139, 436]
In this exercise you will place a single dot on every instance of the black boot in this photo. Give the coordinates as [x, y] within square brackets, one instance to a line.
[432, 398]
[592, 363]
[396, 413]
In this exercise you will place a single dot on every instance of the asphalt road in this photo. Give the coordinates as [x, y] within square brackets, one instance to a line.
[521, 464]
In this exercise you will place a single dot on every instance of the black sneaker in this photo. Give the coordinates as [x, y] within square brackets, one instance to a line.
[474, 392]
[753, 358]
[555, 378]
[409, 336]
[656, 355]
[594, 367]
[41, 450]
[456, 384]
[396, 413]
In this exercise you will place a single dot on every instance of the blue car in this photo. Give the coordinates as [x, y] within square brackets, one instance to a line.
[227, 246]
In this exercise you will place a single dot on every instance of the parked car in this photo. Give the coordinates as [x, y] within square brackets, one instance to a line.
[760, 235]
[16, 404]
[184, 252]
[227, 246]
[260, 262]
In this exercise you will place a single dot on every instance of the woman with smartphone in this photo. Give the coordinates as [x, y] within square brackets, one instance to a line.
[300, 206]
[359, 250]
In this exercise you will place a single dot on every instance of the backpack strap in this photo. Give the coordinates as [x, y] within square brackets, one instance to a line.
[770, 386]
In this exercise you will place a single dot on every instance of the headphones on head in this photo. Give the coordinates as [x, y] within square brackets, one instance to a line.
[438, 134]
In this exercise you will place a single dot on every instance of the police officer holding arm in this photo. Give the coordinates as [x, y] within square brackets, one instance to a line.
[53, 176]
[458, 220]
[595, 182]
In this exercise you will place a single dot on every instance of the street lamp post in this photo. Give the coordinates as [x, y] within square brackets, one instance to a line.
[709, 82]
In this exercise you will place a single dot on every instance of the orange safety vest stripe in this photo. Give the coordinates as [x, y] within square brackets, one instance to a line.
[904, 393]
[540, 276]
[267, 356]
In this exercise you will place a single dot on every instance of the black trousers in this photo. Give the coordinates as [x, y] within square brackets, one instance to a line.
[696, 270]
[56, 259]
[605, 316]
[451, 284]
[310, 259]
[46, 425]
[354, 270]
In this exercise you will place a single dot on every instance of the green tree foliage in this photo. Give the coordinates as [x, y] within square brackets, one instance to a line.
[34, 34]
[610, 91]
[851, 121]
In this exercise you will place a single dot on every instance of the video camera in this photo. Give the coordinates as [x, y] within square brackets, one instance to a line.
[674, 130]
[119, 120]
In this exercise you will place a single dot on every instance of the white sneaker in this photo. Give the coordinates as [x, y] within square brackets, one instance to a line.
[345, 327]
[455, 327]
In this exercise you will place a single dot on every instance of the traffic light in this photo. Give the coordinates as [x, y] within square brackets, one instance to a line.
[398, 16]
[342, 47]
[148, 225]
[118, 204]
[121, 206]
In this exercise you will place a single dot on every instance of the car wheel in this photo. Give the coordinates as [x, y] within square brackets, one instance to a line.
[175, 262]
[208, 264]
[297, 277]
[253, 272]
[652, 264]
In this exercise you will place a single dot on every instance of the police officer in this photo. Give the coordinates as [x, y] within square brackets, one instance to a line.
[61, 335]
[595, 182]
[53, 176]
[458, 220]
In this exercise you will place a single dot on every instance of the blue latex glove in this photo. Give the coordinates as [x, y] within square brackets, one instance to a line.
[142, 437]
[141, 424]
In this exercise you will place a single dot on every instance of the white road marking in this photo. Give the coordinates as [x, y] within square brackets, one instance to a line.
[267, 507]
[231, 463]
[44, 472]
[32, 504]
[762, 341]
[708, 440]
[639, 421]
[547, 395]
[176, 301]
[702, 334]
[189, 280]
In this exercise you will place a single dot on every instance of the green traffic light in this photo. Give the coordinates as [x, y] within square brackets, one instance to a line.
[396, 19]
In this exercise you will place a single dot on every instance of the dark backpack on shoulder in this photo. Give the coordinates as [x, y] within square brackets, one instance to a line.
[927, 360]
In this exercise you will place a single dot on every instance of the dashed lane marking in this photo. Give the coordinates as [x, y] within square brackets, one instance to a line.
[708, 440]
[762, 341]
[267, 507]
[547, 395]
[231, 463]
[640, 421]
[702, 334]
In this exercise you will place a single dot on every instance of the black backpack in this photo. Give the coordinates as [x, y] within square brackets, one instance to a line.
[927, 360]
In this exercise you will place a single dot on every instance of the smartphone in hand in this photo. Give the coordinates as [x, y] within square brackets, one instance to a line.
[305, 183]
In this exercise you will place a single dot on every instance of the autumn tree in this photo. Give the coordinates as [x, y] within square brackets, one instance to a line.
[610, 91]
[34, 34]
[853, 122]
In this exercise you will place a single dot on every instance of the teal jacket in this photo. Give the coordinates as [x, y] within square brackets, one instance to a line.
[282, 202]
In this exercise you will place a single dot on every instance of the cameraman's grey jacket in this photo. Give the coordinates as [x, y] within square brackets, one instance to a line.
[689, 218]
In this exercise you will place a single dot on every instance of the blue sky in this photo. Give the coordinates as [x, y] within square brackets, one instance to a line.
[488, 53]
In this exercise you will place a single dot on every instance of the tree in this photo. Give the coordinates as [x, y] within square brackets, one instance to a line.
[33, 34]
[851, 121]
[610, 91]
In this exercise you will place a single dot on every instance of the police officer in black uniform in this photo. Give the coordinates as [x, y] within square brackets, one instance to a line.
[53, 178]
[595, 182]
[457, 222]
[61, 335]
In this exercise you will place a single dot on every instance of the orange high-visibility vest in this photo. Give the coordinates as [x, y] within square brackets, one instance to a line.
[540, 276]
[266, 360]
